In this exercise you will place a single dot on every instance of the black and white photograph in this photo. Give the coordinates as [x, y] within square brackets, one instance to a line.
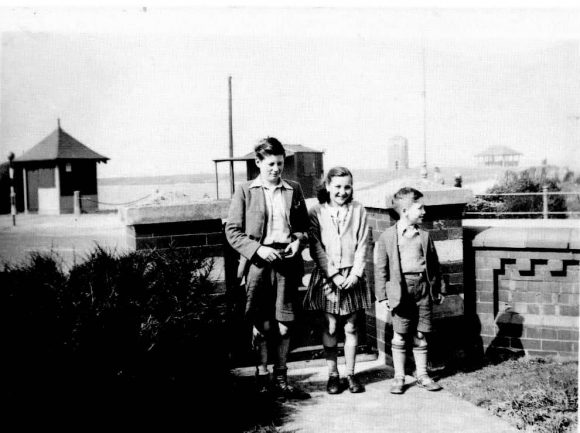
[261, 218]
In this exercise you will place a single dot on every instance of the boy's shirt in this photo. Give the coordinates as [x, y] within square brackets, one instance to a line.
[410, 249]
[277, 227]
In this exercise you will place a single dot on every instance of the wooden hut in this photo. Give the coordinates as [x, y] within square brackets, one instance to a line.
[302, 164]
[54, 169]
[498, 156]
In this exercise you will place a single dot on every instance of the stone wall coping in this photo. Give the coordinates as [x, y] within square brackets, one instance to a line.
[195, 211]
[529, 237]
[434, 194]
[519, 222]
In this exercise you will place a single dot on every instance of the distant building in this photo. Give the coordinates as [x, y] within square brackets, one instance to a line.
[302, 164]
[55, 168]
[498, 156]
[397, 153]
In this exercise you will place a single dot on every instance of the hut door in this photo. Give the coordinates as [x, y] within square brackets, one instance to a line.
[32, 183]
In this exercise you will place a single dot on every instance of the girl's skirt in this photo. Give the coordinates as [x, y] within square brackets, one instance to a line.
[323, 295]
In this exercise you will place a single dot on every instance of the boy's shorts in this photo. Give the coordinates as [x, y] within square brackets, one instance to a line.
[272, 289]
[415, 311]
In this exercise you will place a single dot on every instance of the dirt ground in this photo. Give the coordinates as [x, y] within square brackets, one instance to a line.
[72, 238]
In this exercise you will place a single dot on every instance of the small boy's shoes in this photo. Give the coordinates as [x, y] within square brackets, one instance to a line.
[428, 383]
[398, 385]
[354, 385]
[333, 385]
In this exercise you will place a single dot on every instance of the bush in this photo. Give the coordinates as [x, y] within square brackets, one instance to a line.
[530, 180]
[142, 326]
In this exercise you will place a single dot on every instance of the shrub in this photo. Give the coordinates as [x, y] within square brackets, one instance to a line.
[141, 326]
[530, 180]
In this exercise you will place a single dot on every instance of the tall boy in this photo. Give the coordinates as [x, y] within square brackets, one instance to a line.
[407, 277]
[267, 225]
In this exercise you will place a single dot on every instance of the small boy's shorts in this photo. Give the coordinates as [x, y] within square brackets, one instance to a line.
[415, 311]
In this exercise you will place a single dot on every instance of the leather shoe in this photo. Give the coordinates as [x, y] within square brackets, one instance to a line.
[284, 391]
[263, 384]
[333, 385]
[398, 385]
[428, 383]
[354, 385]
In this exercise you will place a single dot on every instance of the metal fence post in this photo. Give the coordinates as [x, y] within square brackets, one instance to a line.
[12, 192]
[545, 201]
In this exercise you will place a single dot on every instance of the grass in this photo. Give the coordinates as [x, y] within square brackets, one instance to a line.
[534, 394]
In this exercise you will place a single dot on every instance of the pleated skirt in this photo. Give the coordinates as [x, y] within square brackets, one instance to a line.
[323, 295]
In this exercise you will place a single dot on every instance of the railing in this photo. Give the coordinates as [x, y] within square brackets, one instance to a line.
[545, 213]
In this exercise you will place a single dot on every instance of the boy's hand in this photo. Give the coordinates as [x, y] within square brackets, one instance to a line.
[292, 249]
[268, 254]
[350, 281]
[439, 300]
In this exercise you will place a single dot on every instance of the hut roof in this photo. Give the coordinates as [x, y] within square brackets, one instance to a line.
[498, 150]
[291, 149]
[60, 146]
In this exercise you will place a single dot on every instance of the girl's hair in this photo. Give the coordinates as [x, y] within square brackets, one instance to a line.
[322, 194]
[269, 146]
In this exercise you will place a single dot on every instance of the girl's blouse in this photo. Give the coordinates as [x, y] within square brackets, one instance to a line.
[339, 237]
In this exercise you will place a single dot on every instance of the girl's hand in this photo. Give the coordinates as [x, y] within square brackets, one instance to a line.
[350, 281]
[338, 280]
[292, 249]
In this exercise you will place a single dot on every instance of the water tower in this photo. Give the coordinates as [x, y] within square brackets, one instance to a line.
[397, 153]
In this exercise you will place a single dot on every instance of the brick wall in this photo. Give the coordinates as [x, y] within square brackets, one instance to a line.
[526, 290]
[198, 226]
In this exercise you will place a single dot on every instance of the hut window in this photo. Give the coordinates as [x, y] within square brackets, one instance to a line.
[68, 167]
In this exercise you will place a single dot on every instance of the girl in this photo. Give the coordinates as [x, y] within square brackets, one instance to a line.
[338, 246]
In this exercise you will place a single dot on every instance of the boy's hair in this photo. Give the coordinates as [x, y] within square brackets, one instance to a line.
[404, 196]
[269, 146]
[322, 194]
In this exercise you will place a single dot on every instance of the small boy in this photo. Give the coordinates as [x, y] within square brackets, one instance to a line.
[267, 224]
[408, 279]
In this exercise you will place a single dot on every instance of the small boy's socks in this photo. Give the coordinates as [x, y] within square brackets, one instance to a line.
[420, 354]
[399, 355]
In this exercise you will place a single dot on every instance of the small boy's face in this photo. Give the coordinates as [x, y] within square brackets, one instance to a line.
[414, 212]
[271, 168]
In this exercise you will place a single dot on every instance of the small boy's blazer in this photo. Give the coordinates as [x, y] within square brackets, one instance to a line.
[388, 276]
[247, 218]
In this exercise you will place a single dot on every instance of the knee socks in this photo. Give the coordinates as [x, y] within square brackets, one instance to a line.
[398, 350]
[420, 354]
[283, 346]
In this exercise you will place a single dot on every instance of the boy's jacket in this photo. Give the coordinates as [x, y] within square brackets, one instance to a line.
[388, 276]
[247, 218]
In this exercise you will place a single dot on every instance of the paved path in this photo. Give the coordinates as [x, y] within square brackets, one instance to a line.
[69, 236]
[376, 410]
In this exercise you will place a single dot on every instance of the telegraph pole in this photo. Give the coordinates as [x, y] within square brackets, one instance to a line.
[231, 137]
[424, 167]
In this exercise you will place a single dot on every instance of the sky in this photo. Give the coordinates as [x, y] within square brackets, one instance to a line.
[148, 88]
